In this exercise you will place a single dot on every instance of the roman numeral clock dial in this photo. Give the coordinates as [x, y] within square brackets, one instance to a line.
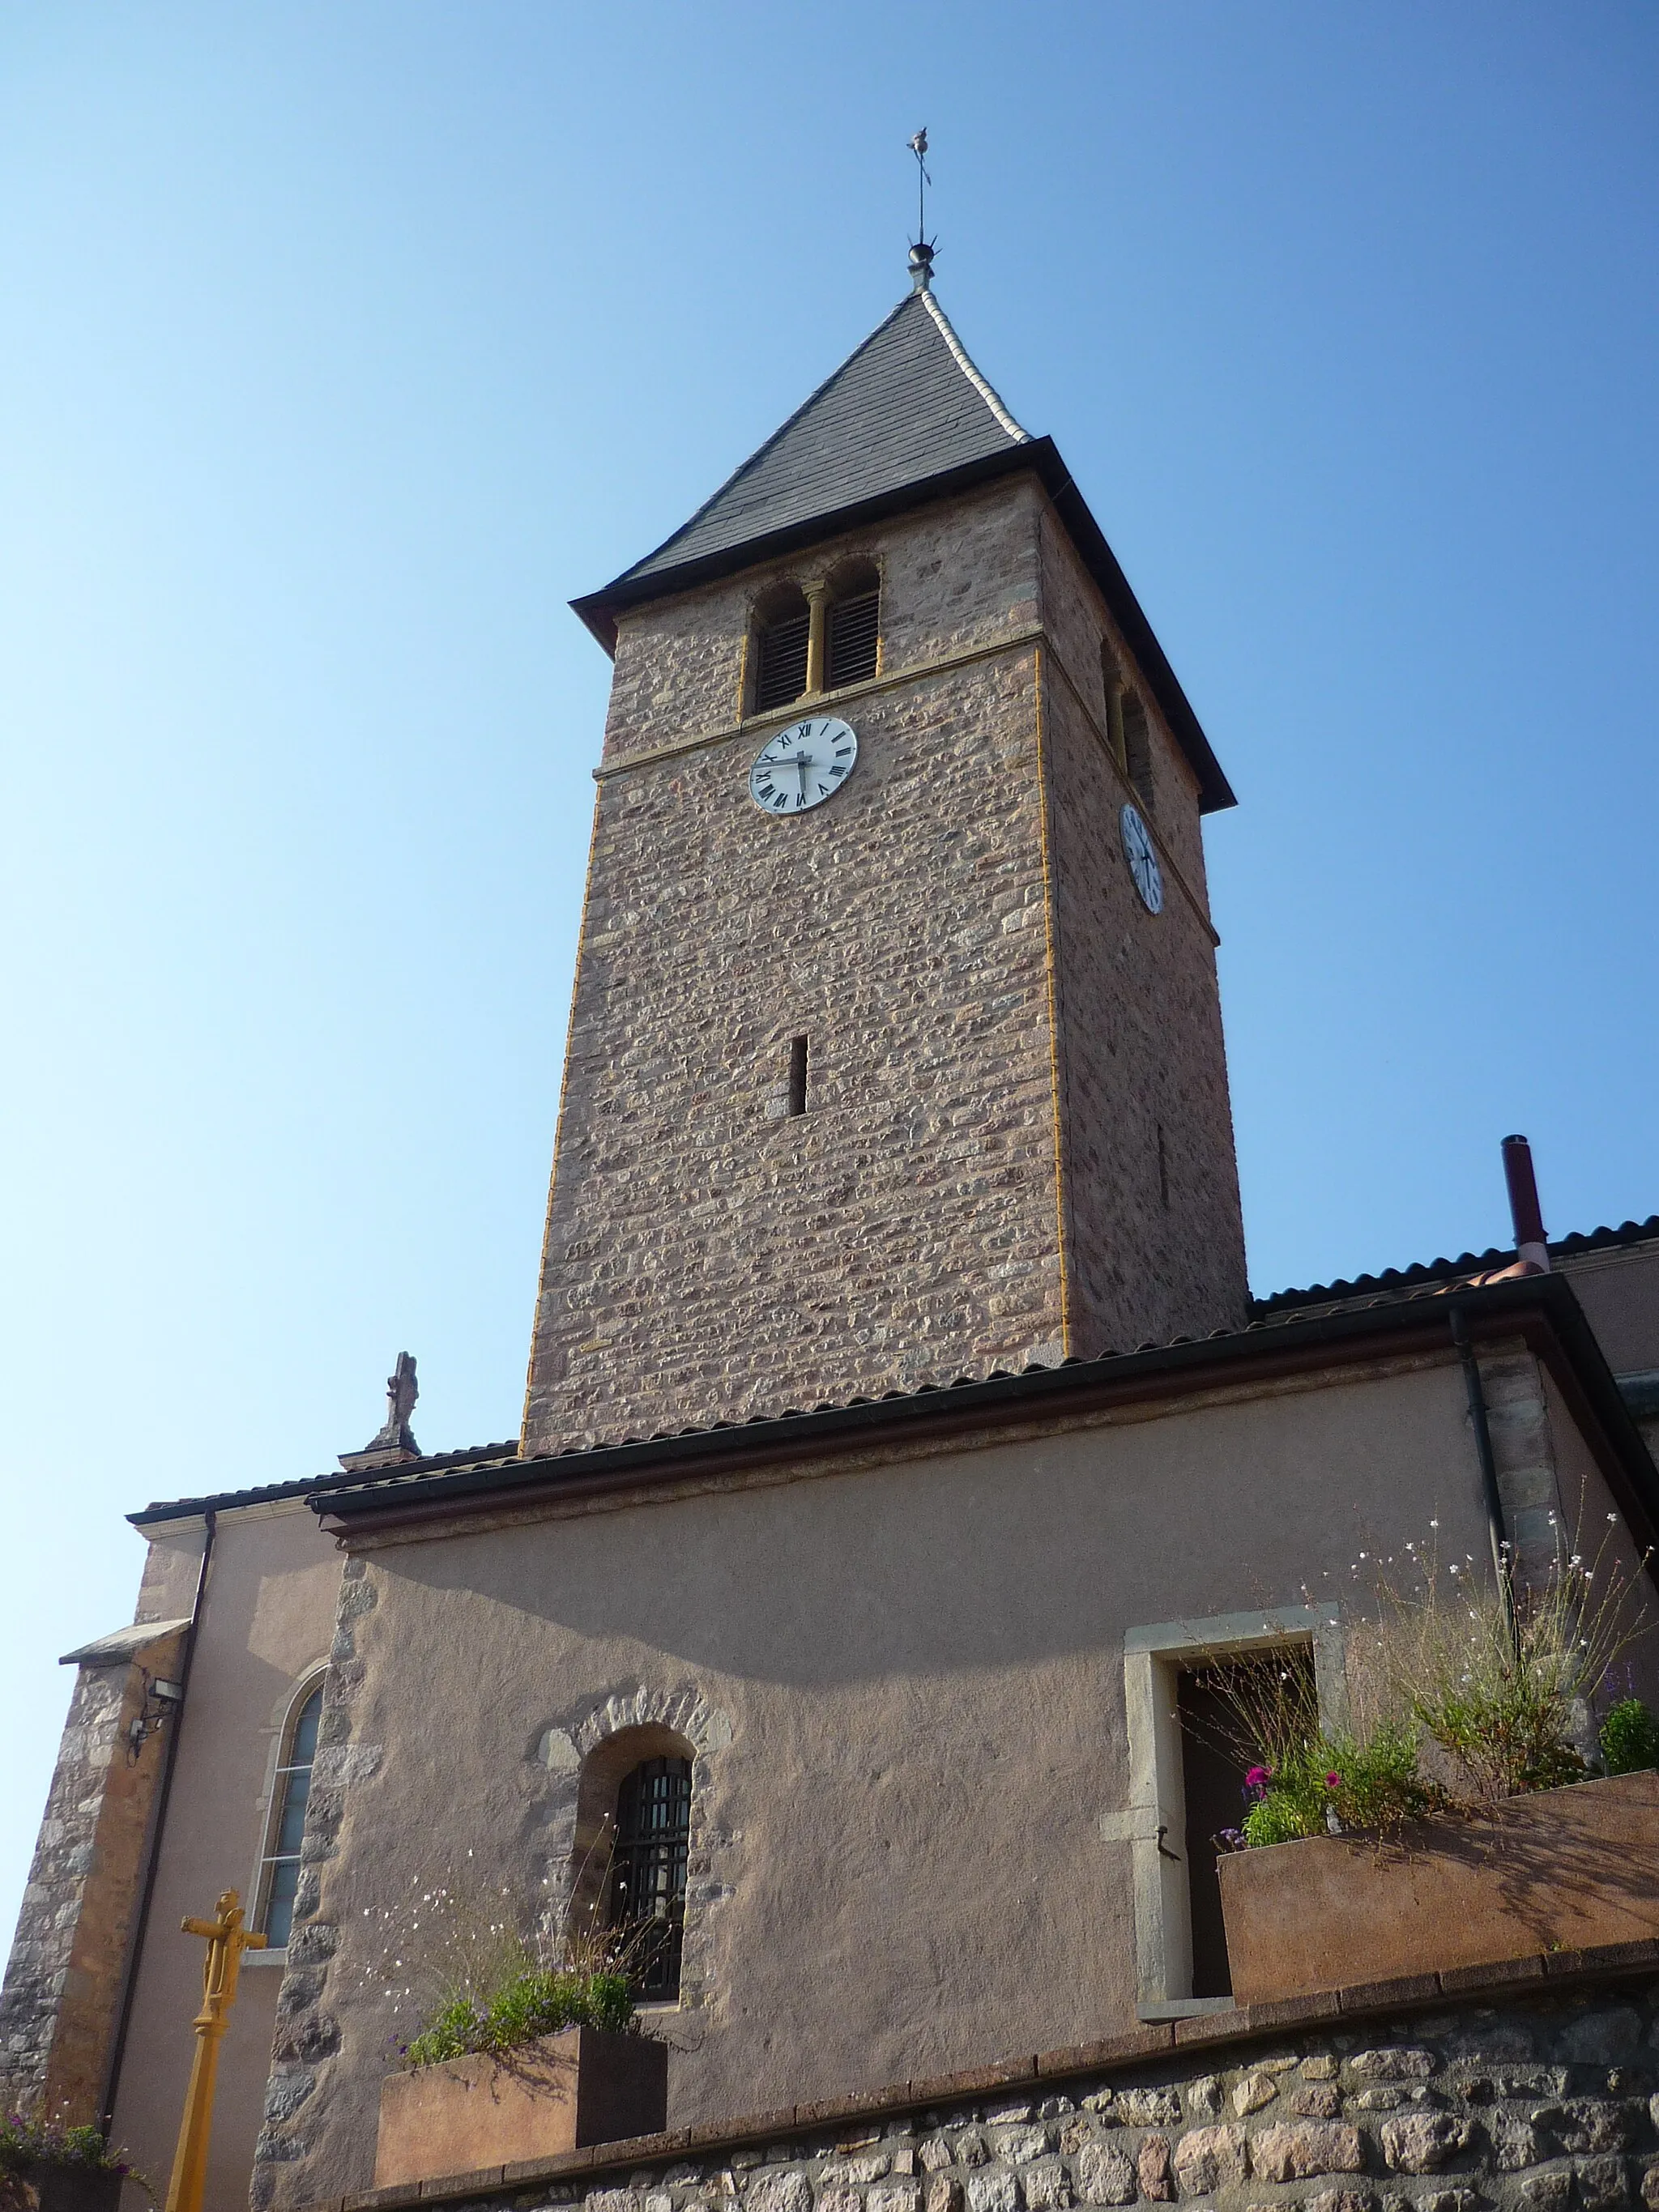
[802, 765]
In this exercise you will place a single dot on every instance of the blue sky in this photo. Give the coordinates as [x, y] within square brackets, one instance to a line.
[340, 344]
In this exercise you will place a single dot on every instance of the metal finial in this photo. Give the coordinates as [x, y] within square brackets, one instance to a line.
[922, 248]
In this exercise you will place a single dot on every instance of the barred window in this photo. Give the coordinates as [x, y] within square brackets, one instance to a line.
[279, 1870]
[780, 642]
[647, 1871]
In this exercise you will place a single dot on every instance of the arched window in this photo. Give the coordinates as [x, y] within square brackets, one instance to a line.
[279, 1869]
[646, 1889]
[782, 628]
[854, 639]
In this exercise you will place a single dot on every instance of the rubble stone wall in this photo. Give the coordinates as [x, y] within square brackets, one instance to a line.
[64, 1979]
[1528, 2104]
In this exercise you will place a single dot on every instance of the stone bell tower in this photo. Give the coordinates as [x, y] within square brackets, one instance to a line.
[895, 1054]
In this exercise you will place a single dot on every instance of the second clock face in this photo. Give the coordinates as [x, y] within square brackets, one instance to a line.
[1143, 860]
[802, 765]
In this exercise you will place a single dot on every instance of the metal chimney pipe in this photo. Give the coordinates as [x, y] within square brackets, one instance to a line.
[1531, 1246]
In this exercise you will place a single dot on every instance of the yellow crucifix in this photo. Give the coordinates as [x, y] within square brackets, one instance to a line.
[227, 1939]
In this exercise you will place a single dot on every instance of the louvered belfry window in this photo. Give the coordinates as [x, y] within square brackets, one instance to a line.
[647, 1871]
[853, 626]
[780, 675]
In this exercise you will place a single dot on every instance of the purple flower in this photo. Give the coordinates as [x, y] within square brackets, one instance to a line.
[1257, 1780]
[1332, 1781]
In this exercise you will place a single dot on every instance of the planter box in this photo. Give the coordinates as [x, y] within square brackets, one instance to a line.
[1558, 1870]
[567, 2090]
[75, 2188]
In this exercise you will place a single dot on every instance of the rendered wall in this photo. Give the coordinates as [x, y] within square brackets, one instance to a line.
[266, 1620]
[906, 1686]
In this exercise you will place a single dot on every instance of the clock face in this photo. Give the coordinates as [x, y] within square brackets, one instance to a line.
[802, 765]
[1143, 860]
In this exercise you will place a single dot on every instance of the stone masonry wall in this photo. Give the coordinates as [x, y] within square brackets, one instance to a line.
[1544, 2103]
[708, 1256]
[952, 577]
[1155, 1232]
[62, 1985]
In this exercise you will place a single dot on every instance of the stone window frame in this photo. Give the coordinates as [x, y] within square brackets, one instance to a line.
[594, 1750]
[1154, 1656]
[284, 1720]
[848, 575]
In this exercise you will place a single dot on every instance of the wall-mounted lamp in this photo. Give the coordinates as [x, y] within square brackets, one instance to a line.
[162, 1697]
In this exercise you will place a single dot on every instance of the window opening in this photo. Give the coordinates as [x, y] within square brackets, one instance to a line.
[798, 1076]
[781, 664]
[1214, 1704]
[291, 1789]
[1112, 684]
[854, 629]
[1138, 750]
[647, 1871]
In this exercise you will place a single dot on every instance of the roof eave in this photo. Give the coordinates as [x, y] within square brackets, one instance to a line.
[599, 610]
[1545, 1304]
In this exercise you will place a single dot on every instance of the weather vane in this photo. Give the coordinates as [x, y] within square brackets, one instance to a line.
[921, 253]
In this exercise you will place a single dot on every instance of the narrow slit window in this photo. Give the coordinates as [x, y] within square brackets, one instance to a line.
[291, 1789]
[798, 1076]
[854, 629]
[780, 660]
[647, 1871]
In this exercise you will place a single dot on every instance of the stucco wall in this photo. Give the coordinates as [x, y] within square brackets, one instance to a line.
[1620, 1292]
[921, 1671]
[266, 1622]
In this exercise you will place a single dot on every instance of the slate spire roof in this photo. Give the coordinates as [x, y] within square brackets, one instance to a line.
[908, 406]
[906, 418]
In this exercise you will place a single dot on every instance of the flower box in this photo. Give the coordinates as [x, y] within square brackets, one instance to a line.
[1556, 1870]
[491, 2109]
[71, 2186]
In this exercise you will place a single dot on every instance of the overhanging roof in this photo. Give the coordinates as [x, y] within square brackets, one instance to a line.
[906, 419]
[1542, 1307]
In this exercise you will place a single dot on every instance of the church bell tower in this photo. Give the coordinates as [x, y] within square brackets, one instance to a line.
[896, 1052]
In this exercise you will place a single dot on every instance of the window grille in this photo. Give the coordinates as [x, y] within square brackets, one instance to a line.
[853, 627]
[781, 673]
[279, 1875]
[647, 1871]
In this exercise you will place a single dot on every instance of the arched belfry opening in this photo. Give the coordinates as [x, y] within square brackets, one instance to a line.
[783, 623]
[853, 643]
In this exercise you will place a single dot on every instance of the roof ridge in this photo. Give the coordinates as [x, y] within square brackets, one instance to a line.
[980, 383]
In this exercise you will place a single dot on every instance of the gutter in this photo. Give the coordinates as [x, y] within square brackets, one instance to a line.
[1542, 1307]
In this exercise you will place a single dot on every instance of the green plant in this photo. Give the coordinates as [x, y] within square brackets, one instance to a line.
[1497, 1670]
[1629, 1738]
[1327, 1777]
[532, 2002]
[26, 2144]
